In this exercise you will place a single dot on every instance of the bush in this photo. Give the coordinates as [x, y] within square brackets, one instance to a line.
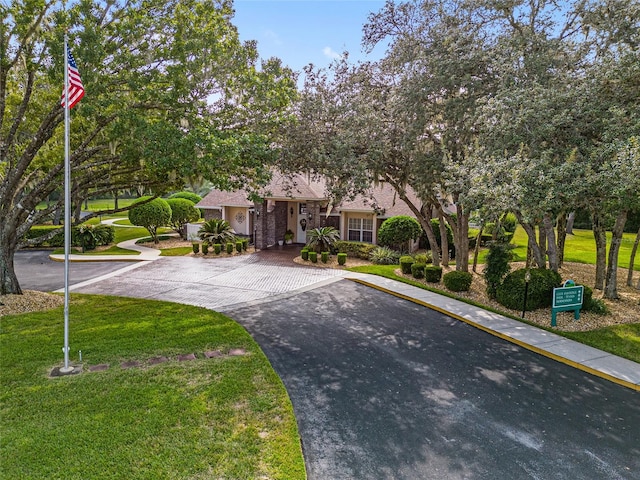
[425, 258]
[342, 258]
[457, 281]
[396, 232]
[432, 274]
[384, 256]
[245, 244]
[354, 249]
[217, 230]
[405, 264]
[304, 253]
[104, 234]
[205, 248]
[239, 246]
[229, 248]
[183, 211]
[322, 239]
[196, 247]
[593, 305]
[417, 270]
[217, 248]
[324, 256]
[540, 293]
[151, 215]
[313, 256]
[193, 197]
[497, 266]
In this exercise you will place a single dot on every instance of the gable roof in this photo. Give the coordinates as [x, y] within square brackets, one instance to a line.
[385, 198]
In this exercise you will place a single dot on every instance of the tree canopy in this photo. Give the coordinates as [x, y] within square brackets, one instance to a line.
[171, 93]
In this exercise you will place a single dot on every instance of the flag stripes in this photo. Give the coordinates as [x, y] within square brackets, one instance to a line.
[76, 89]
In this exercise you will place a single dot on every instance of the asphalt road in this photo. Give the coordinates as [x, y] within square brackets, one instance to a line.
[386, 389]
[35, 271]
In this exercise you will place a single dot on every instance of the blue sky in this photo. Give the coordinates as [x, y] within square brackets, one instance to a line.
[300, 32]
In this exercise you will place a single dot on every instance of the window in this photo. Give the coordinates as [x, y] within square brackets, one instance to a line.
[360, 230]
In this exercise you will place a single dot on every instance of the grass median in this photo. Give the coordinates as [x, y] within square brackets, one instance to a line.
[223, 417]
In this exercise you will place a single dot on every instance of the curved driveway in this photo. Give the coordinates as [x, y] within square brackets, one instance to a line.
[387, 389]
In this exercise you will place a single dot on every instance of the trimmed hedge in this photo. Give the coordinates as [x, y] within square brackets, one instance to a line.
[229, 248]
[324, 256]
[539, 295]
[304, 253]
[405, 264]
[417, 270]
[217, 247]
[94, 236]
[239, 246]
[205, 248]
[457, 281]
[432, 274]
[342, 258]
[313, 256]
[196, 247]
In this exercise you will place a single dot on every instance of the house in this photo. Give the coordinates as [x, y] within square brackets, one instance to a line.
[299, 203]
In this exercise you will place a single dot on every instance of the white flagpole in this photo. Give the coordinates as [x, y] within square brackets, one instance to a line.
[67, 210]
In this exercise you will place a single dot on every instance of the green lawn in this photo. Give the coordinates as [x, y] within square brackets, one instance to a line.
[227, 417]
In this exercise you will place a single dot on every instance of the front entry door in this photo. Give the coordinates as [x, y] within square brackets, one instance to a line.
[302, 223]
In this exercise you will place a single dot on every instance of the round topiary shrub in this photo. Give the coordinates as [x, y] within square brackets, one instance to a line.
[540, 293]
[457, 281]
[194, 197]
[405, 264]
[396, 232]
[324, 256]
[313, 256]
[182, 212]
[151, 215]
[432, 274]
[342, 258]
[417, 270]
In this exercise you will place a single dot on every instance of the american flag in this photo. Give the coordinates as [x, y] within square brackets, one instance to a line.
[76, 90]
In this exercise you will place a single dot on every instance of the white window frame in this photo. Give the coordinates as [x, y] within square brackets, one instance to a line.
[357, 226]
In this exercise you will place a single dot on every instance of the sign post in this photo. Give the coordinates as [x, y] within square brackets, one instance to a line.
[566, 298]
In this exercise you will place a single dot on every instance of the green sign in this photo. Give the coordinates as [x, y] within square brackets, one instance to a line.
[565, 299]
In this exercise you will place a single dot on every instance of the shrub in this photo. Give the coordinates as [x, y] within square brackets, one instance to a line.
[239, 246]
[217, 230]
[104, 234]
[509, 223]
[593, 305]
[457, 281]
[245, 244]
[342, 258]
[196, 247]
[405, 264]
[322, 239]
[396, 232]
[229, 248]
[324, 256]
[205, 248]
[540, 293]
[304, 253]
[151, 215]
[425, 258]
[86, 237]
[417, 270]
[217, 247]
[384, 256]
[354, 249]
[183, 211]
[313, 256]
[497, 266]
[193, 197]
[432, 274]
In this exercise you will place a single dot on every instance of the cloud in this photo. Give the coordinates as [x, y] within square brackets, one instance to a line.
[331, 53]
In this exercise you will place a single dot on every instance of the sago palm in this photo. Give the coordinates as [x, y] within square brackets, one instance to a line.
[321, 239]
[217, 230]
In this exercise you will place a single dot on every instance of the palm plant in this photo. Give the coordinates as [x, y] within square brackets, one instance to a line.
[217, 230]
[322, 239]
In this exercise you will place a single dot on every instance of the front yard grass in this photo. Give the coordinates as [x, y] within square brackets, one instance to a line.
[226, 417]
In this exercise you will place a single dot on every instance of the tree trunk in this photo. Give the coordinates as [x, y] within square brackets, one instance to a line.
[550, 236]
[538, 253]
[542, 241]
[444, 238]
[600, 237]
[634, 249]
[115, 199]
[462, 241]
[570, 220]
[562, 237]
[611, 283]
[8, 280]
[476, 250]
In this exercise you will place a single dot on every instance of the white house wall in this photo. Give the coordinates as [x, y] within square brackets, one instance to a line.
[238, 218]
